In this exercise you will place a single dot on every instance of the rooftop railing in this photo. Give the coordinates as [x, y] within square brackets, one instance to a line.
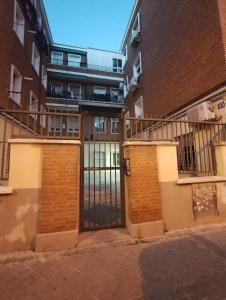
[84, 65]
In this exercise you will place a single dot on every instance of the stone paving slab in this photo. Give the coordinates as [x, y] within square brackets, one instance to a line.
[185, 266]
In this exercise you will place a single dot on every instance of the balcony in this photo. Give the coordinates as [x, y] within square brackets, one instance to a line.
[83, 65]
[68, 97]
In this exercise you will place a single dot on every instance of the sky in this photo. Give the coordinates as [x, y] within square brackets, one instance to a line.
[89, 23]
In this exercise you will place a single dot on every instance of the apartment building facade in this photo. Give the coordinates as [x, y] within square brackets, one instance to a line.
[25, 44]
[175, 57]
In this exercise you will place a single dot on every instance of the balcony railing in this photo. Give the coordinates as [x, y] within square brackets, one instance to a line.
[86, 96]
[84, 65]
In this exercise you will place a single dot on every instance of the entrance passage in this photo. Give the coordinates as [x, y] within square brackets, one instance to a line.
[102, 205]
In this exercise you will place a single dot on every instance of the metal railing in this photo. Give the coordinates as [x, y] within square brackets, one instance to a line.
[86, 96]
[35, 124]
[84, 65]
[195, 148]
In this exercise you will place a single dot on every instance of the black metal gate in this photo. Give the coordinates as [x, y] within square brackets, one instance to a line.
[101, 184]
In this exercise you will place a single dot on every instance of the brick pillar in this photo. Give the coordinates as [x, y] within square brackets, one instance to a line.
[59, 205]
[143, 202]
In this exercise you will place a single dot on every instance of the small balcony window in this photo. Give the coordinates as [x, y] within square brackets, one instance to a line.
[57, 58]
[55, 123]
[117, 65]
[114, 125]
[35, 58]
[74, 91]
[19, 22]
[100, 124]
[135, 34]
[44, 77]
[74, 60]
[15, 85]
[72, 124]
[137, 66]
[56, 89]
[99, 90]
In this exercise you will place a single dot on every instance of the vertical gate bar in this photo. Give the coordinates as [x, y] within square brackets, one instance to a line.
[99, 166]
[121, 156]
[199, 141]
[115, 166]
[82, 175]
[3, 148]
[89, 141]
[94, 174]
[110, 180]
[204, 150]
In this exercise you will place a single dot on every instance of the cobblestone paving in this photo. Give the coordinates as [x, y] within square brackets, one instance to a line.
[190, 267]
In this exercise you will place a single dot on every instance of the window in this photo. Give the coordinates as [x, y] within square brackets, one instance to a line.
[33, 105]
[137, 68]
[125, 53]
[114, 94]
[18, 22]
[114, 125]
[128, 125]
[99, 159]
[35, 58]
[74, 91]
[55, 123]
[56, 88]
[139, 110]
[115, 159]
[136, 24]
[135, 35]
[44, 77]
[15, 85]
[126, 86]
[99, 124]
[72, 124]
[117, 65]
[100, 90]
[186, 153]
[74, 60]
[57, 58]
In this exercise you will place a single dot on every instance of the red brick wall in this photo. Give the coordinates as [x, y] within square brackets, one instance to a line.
[59, 207]
[143, 187]
[182, 53]
[13, 52]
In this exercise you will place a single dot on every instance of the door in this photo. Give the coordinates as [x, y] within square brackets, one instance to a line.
[102, 205]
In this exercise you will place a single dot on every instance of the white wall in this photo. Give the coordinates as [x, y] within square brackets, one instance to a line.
[102, 58]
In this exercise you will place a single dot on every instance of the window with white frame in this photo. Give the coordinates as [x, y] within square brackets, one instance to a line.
[99, 90]
[115, 159]
[57, 58]
[55, 123]
[74, 60]
[18, 22]
[138, 107]
[44, 77]
[33, 105]
[56, 88]
[74, 91]
[117, 65]
[114, 125]
[35, 58]
[126, 86]
[136, 24]
[137, 66]
[125, 53]
[15, 85]
[72, 124]
[100, 124]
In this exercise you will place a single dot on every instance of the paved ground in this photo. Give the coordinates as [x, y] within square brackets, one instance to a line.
[183, 267]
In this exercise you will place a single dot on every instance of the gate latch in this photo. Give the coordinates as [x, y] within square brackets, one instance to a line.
[126, 166]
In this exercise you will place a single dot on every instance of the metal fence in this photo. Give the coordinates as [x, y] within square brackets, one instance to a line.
[195, 148]
[35, 124]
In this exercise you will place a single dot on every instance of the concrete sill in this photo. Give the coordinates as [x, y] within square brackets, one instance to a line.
[4, 190]
[190, 180]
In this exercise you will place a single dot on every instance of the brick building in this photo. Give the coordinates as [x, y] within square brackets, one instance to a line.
[175, 56]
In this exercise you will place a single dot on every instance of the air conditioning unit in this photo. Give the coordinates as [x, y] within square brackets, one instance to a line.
[201, 112]
[133, 84]
[135, 37]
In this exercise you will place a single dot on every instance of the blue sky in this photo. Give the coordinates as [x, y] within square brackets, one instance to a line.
[89, 23]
